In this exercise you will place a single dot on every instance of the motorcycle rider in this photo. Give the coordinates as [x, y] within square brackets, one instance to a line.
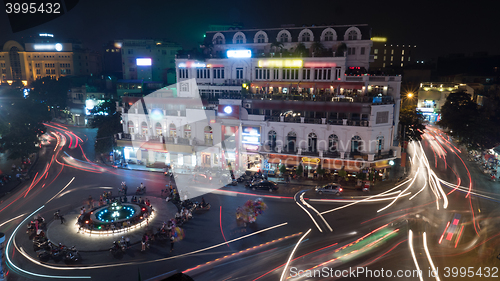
[203, 203]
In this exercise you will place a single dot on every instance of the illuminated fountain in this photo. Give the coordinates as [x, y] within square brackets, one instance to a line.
[116, 212]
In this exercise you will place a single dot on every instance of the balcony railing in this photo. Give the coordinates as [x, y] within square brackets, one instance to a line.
[339, 122]
[319, 98]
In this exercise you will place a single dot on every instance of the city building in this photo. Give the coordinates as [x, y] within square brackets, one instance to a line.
[149, 60]
[432, 96]
[391, 56]
[112, 59]
[278, 107]
[44, 56]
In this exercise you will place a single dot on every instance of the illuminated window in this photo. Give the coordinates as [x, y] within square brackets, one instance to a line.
[408, 58]
[375, 57]
[383, 65]
[402, 52]
[375, 51]
[392, 58]
[402, 58]
[392, 52]
[401, 64]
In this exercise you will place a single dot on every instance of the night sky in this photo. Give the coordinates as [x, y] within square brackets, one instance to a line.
[436, 27]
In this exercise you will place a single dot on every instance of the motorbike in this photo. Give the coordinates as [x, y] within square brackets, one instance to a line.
[140, 190]
[72, 255]
[41, 243]
[117, 247]
[199, 207]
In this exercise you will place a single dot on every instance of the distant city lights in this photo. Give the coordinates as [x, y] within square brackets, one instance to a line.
[143, 61]
[48, 47]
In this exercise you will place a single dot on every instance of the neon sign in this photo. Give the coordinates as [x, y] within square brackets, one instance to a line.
[47, 47]
[191, 64]
[250, 135]
[239, 53]
[251, 147]
[280, 63]
[320, 64]
[143, 61]
[46, 35]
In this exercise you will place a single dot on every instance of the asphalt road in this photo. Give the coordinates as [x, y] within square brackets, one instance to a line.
[340, 236]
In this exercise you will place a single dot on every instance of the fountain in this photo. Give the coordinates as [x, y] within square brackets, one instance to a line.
[115, 212]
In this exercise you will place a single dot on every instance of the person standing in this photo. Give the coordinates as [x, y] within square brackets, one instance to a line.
[62, 218]
[144, 240]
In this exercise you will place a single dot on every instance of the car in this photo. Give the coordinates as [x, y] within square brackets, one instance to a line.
[202, 178]
[264, 184]
[332, 188]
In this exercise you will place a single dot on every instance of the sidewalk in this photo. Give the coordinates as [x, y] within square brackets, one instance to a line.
[68, 234]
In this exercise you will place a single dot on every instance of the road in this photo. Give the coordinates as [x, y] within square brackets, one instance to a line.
[442, 216]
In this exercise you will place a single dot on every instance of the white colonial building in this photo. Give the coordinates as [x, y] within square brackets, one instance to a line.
[279, 104]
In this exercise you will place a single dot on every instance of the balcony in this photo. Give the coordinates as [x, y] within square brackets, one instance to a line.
[338, 122]
[321, 98]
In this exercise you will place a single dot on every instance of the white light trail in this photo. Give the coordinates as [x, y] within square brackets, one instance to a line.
[409, 186]
[61, 190]
[291, 254]
[319, 228]
[429, 258]
[376, 195]
[1, 224]
[410, 242]
[316, 211]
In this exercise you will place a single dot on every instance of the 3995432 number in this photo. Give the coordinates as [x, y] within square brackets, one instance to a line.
[33, 8]
[470, 272]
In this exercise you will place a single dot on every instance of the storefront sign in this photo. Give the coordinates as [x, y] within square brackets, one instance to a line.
[280, 63]
[250, 134]
[311, 160]
[251, 147]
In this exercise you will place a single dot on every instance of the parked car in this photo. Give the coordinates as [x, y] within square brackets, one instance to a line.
[331, 188]
[264, 184]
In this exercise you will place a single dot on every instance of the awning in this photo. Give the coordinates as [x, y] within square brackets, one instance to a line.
[290, 162]
[274, 161]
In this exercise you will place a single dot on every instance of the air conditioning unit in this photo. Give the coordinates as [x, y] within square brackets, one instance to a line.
[248, 105]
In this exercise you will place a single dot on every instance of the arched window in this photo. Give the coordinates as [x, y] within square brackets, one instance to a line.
[261, 38]
[218, 39]
[187, 131]
[172, 130]
[271, 139]
[131, 128]
[306, 37]
[352, 35]
[144, 127]
[209, 137]
[239, 39]
[312, 141]
[291, 139]
[333, 141]
[329, 36]
[158, 129]
[356, 145]
[284, 38]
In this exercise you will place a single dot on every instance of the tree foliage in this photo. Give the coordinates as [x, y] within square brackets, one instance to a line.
[318, 49]
[300, 50]
[22, 121]
[411, 121]
[472, 125]
[300, 170]
[108, 123]
[51, 92]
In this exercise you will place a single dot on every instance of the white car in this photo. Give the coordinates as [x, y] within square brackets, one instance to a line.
[332, 188]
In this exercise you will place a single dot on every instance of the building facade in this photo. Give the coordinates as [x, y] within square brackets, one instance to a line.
[391, 56]
[46, 57]
[148, 60]
[270, 110]
[432, 96]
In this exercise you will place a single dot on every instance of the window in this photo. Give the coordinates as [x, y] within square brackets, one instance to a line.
[402, 52]
[290, 74]
[262, 73]
[332, 143]
[375, 57]
[218, 40]
[239, 39]
[408, 58]
[353, 35]
[351, 51]
[392, 52]
[392, 58]
[203, 73]
[382, 117]
[402, 58]
[362, 50]
[329, 36]
[38, 71]
[4, 71]
[306, 73]
[276, 74]
[306, 37]
[385, 51]
[261, 38]
[183, 73]
[68, 71]
[401, 64]
[129, 51]
[375, 51]
[219, 73]
[284, 38]
[239, 73]
[322, 74]
[385, 58]
[47, 71]
[131, 69]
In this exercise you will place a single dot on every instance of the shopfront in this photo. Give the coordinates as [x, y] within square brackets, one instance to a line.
[310, 165]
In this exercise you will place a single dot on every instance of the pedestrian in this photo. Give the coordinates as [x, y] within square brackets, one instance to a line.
[62, 219]
[144, 240]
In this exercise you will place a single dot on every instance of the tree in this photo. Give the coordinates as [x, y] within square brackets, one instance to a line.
[108, 122]
[411, 121]
[299, 171]
[473, 126]
[341, 49]
[320, 171]
[318, 49]
[300, 50]
[51, 92]
[277, 46]
[343, 174]
[282, 170]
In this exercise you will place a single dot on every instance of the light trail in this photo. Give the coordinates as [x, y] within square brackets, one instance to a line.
[410, 242]
[293, 252]
[409, 186]
[220, 223]
[376, 195]
[429, 258]
[61, 190]
[316, 211]
[296, 202]
[9, 262]
[5, 222]
[459, 235]
[356, 200]
[150, 261]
